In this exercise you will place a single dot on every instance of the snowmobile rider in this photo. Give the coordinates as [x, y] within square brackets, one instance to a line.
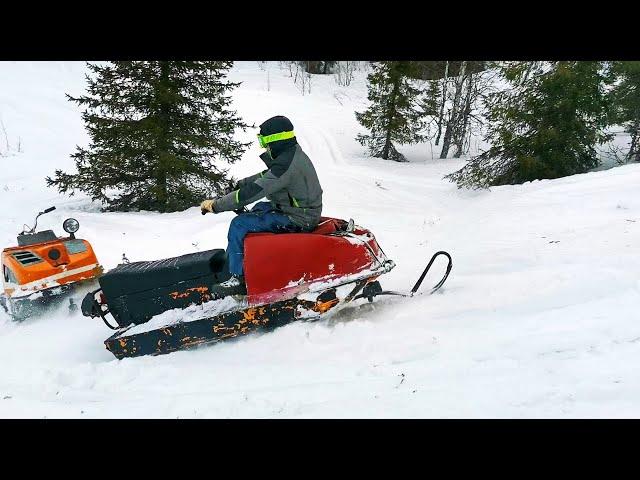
[291, 185]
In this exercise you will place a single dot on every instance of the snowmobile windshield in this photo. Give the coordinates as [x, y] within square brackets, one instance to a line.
[264, 140]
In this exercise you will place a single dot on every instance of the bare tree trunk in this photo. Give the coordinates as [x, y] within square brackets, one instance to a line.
[343, 72]
[634, 149]
[445, 82]
[6, 137]
[454, 112]
[461, 130]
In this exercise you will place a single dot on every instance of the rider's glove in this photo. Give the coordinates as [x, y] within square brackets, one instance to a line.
[207, 206]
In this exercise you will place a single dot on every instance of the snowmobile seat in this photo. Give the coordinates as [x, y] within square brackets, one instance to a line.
[134, 277]
[137, 291]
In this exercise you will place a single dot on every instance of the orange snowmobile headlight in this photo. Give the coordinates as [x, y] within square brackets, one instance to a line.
[71, 225]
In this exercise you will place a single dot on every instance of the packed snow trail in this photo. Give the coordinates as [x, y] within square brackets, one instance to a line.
[537, 319]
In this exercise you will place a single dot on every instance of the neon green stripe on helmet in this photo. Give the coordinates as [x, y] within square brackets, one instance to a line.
[264, 140]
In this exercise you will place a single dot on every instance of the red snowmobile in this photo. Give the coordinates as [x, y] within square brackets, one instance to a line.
[167, 305]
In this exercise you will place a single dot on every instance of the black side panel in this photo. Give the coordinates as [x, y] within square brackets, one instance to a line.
[139, 307]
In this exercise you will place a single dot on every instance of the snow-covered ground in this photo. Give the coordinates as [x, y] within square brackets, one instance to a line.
[539, 318]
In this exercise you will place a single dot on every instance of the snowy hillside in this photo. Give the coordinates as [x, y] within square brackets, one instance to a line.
[539, 317]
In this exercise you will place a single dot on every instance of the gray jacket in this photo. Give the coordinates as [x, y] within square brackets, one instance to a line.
[290, 183]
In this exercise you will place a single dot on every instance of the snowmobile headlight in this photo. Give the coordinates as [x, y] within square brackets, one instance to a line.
[71, 225]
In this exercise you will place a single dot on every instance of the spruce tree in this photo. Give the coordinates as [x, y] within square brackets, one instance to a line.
[430, 102]
[545, 124]
[160, 133]
[626, 101]
[394, 114]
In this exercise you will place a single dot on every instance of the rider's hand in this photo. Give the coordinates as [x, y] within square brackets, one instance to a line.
[207, 206]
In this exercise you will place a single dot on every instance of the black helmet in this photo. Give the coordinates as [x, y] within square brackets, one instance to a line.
[277, 124]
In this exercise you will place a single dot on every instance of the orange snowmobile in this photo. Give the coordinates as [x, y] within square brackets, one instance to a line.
[44, 269]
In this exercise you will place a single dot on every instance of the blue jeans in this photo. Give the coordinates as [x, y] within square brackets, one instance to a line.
[261, 218]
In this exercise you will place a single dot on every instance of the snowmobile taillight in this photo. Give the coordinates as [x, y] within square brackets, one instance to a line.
[102, 298]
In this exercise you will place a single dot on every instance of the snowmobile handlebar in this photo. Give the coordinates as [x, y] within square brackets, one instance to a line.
[239, 211]
[26, 229]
